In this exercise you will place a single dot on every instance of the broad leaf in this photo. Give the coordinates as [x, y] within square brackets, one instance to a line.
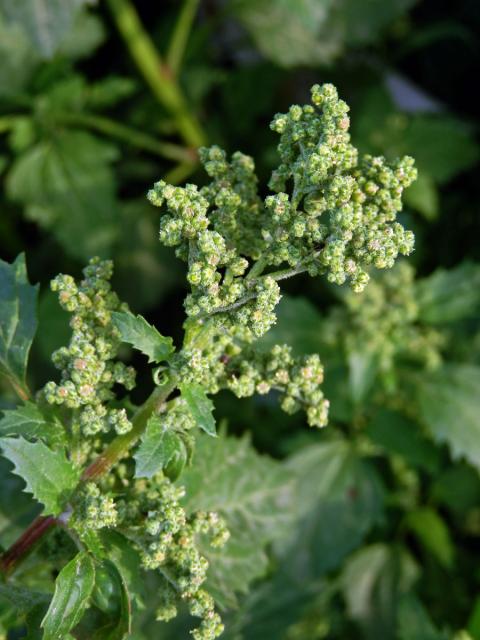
[373, 580]
[449, 295]
[253, 493]
[49, 476]
[414, 622]
[200, 405]
[18, 321]
[399, 435]
[73, 588]
[304, 336]
[43, 21]
[135, 330]
[67, 185]
[29, 422]
[112, 596]
[432, 532]
[338, 499]
[449, 405]
[21, 598]
[158, 448]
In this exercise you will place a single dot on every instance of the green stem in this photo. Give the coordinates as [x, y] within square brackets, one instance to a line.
[180, 172]
[127, 134]
[178, 43]
[156, 74]
[119, 447]
[281, 274]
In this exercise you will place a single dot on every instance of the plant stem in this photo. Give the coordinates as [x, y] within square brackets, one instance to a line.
[156, 74]
[281, 274]
[26, 543]
[178, 42]
[114, 452]
[180, 172]
[117, 449]
[131, 136]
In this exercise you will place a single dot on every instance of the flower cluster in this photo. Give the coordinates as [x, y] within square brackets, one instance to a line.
[341, 215]
[88, 371]
[167, 539]
[386, 323]
[297, 380]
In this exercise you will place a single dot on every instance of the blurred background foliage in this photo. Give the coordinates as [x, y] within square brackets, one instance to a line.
[97, 101]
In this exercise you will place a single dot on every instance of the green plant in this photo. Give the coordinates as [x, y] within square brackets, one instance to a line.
[105, 471]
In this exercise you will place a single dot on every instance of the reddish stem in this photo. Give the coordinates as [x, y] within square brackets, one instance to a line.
[25, 544]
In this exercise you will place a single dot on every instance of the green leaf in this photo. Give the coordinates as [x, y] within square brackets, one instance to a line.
[111, 592]
[22, 599]
[449, 405]
[338, 499]
[398, 435]
[43, 21]
[433, 533]
[200, 405]
[29, 422]
[288, 32]
[414, 622]
[135, 330]
[158, 448]
[67, 185]
[449, 295]
[73, 588]
[422, 196]
[253, 493]
[373, 580]
[18, 321]
[304, 336]
[48, 474]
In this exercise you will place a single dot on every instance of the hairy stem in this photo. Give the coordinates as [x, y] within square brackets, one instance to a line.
[114, 452]
[178, 43]
[155, 72]
[131, 136]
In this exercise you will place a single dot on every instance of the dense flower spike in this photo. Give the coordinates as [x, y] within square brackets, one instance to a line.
[87, 366]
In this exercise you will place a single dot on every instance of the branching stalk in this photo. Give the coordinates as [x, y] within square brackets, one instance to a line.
[155, 72]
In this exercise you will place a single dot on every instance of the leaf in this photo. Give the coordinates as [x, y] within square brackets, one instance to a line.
[48, 474]
[120, 627]
[398, 435]
[18, 321]
[135, 330]
[288, 32]
[373, 580]
[73, 587]
[449, 295]
[18, 59]
[414, 622]
[43, 21]
[22, 599]
[158, 448]
[29, 422]
[200, 405]
[422, 196]
[448, 402]
[304, 336]
[338, 499]
[67, 185]
[253, 493]
[433, 533]
[121, 552]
